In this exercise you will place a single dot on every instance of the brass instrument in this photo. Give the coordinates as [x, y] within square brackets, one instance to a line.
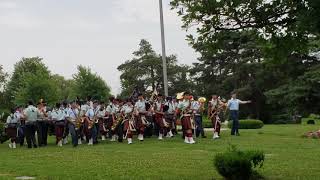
[90, 123]
[117, 121]
[180, 95]
[79, 122]
[202, 99]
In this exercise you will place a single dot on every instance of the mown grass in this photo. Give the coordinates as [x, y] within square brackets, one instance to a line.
[288, 156]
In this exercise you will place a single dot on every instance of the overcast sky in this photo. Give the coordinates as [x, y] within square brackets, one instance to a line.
[100, 34]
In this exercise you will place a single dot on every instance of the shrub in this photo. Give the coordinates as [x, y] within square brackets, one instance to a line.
[248, 124]
[238, 165]
[312, 119]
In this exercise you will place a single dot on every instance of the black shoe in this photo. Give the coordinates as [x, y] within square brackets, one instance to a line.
[75, 145]
[204, 136]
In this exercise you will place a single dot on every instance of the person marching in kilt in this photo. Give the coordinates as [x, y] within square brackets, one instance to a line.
[12, 125]
[111, 117]
[215, 113]
[58, 117]
[186, 118]
[92, 118]
[102, 115]
[170, 116]
[140, 112]
[159, 116]
[128, 120]
[66, 108]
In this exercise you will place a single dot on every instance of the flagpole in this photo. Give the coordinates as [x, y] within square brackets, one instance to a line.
[164, 61]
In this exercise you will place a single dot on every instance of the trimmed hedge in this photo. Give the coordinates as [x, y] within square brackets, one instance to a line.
[248, 124]
[239, 165]
[312, 119]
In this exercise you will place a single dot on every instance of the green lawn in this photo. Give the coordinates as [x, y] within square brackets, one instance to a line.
[288, 156]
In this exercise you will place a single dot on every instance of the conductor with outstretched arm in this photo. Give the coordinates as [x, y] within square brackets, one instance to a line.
[233, 106]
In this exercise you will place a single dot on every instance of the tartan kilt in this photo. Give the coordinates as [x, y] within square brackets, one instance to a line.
[159, 120]
[139, 123]
[169, 119]
[186, 122]
[11, 132]
[109, 122]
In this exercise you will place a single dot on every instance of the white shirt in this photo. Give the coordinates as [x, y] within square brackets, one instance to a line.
[92, 112]
[233, 104]
[172, 107]
[73, 114]
[140, 106]
[126, 109]
[195, 106]
[111, 108]
[183, 104]
[58, 115]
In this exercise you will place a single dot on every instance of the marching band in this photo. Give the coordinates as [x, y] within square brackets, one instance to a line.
[91, 121]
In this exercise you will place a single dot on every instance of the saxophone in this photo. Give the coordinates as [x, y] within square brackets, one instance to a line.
[79, 122]
[116, 122]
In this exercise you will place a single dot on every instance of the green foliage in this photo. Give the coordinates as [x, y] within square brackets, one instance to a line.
[88, 84]
[265, 50]
[238, 165]
[31, 80]
[144, 71]
[37, 87]
[66, 87]
[312, 117]
[3, 81]
[248, 124]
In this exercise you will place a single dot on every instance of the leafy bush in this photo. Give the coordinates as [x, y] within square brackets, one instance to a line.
[4, 113]
[248, 124]
[312, 119]
[238, 165]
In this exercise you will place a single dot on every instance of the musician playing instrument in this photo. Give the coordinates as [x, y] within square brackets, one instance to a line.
[140, 113]
[58, 117]
[186, 118]
[111, 117]
[11, 126]
[170, 116]
[129, 120]
[159, 116]
[42, 124]
[198, 108]
[92, 119]
[102, 115]
[215, 107]
[72, 115]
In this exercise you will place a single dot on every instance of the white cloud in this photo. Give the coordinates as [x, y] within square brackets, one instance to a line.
[8, 5]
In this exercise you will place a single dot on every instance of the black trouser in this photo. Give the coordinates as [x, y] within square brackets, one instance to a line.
[119, 131]
[21, 134]
[42, 133]
[30, 134]
[66, 130]
[199, 129]
[235, 122]
[95, 140]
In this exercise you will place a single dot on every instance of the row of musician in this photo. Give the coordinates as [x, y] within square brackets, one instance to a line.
[119, 120]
